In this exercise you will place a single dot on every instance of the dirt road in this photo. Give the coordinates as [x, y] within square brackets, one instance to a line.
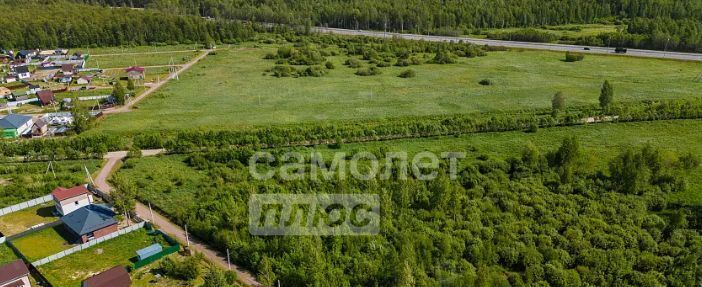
[165, 225]
[127, 107]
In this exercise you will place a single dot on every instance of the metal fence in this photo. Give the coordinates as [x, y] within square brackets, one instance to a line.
[25, 205]
[87, 245]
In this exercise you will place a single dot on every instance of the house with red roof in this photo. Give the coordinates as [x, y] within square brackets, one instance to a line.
[114, 277]
[14, 274]
[46, 97]
[135, 73]
[68, 200]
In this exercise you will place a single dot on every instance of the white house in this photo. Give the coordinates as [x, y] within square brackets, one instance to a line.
[22, 72]
[68, 200]
[14, 274]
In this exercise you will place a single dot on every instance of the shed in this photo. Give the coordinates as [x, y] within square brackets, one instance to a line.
[149, 251]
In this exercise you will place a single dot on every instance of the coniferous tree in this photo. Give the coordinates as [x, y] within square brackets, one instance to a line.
[606, 95]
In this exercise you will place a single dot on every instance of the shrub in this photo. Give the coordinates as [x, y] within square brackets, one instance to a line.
[574, 57]
[486, 82]
[409, 73]
[329, 65]
[443, 57]
[372, 71]
[314, 71]
[353, 63]
[283, 71]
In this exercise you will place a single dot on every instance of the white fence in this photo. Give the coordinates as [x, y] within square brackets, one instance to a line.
[86, 245]
[91, 98]
[26, 204]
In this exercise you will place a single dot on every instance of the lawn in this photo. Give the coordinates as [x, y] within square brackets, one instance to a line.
[71, 270]
[20, 182]
[138, 49]
[6, 254]
[123, 61]
[44, 243]
[230, 90]
[22, 220]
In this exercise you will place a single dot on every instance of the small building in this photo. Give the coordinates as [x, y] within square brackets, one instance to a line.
[10, 79]
[4, 92]
[84, 80]
[149, 251]
[15, 125]
[14, 274]
[68, 200]
[40, 128]
[46, 97]
[136, 73]
[114, 277]
[33, 89]
[90, 222]
[26, 54]
[22, 72]
[66, 80]
[68, 69]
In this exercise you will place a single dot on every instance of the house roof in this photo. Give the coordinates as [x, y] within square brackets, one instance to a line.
[40, 123]
[89, 219]
[67, 67]
[135, 69]
[21, 69]
[5, 91]
[114, 277]
[13, 271]
[14, 121]
[46, 97]
[61, 193]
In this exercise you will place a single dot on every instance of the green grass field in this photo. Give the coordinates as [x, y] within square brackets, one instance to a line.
[20, 182]
[123, 61]
[44, 243]
[137, 49]
[22, 220]
[71, 270]
[229, 90]
[6, 254]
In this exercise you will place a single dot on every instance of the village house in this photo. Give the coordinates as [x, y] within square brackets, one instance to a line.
[22, 72]
[135, 73]
[40, 128]
[68, 200]
[84, 80]
[4, 92]
[68, 69]
[66, 80]
[14, 274]
[25, 54]
[15, 125]
[46, 97]
[10, 79]
[33, 89]
[114, 277]
[90, 222]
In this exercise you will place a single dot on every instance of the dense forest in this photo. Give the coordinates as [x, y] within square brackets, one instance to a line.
[539, 219]
[30, 25]
[675, 23]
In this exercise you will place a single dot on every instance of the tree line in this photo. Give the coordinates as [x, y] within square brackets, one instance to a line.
[53, 24]
[455, 17]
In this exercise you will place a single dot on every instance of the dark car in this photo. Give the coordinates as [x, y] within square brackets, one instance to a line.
[620, 50]
[586, 48]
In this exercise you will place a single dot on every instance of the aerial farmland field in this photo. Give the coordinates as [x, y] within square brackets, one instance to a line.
[232, 89]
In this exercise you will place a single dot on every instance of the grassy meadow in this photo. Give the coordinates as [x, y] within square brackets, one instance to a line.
[232, 90]
[22, 220]
[138, 59]
[44, 243]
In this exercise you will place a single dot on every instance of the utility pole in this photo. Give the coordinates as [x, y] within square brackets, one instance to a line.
[229, 264]
[90, 177]
[152, 213]
[187, 239]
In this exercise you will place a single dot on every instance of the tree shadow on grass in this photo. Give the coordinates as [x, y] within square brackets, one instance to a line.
[47, 211]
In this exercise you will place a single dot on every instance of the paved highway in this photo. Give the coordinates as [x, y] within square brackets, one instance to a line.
[522, 45]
